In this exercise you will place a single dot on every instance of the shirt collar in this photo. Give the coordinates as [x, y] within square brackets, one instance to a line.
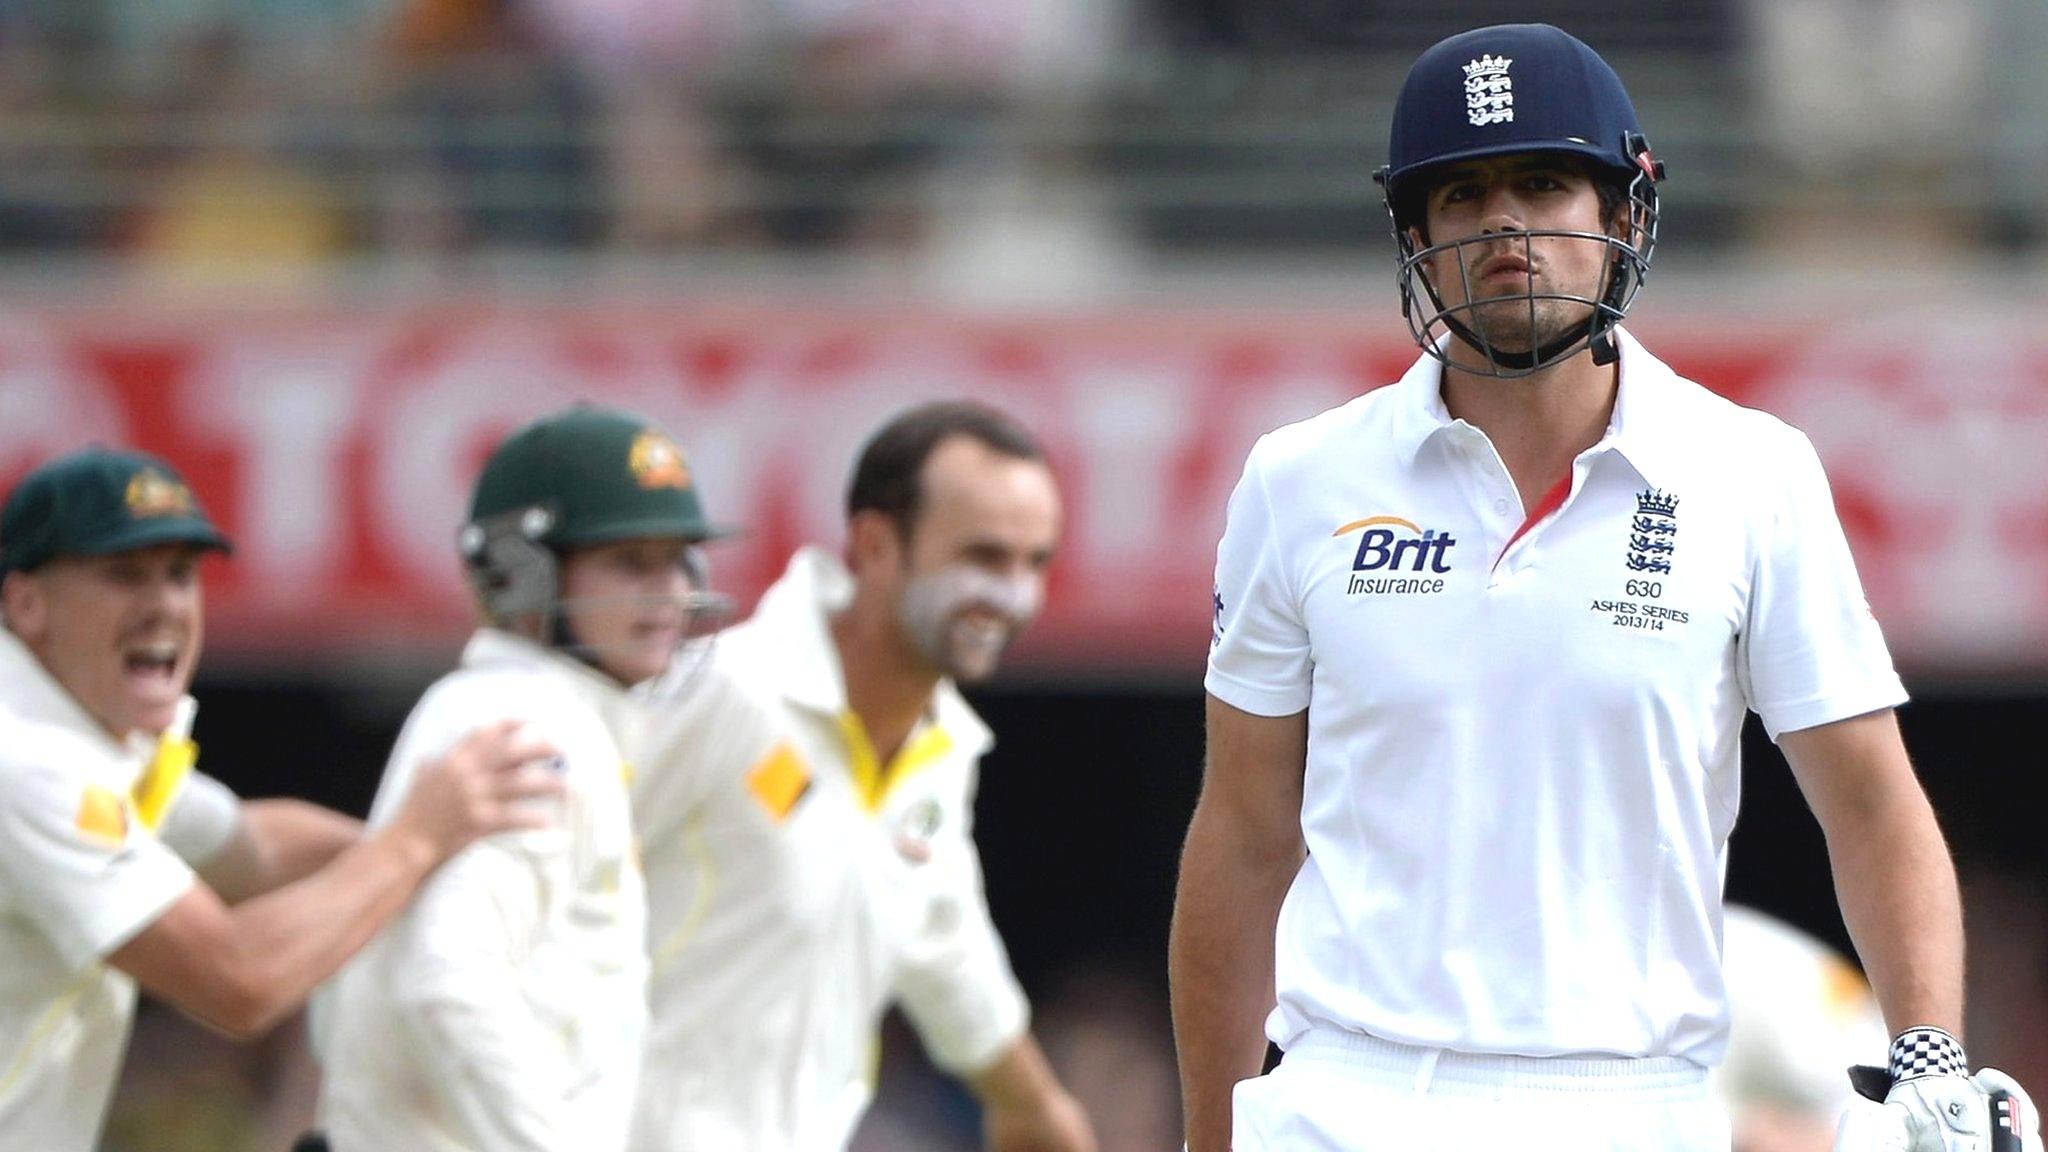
[494, 648]
[1638, 430]
[28, 689]
[1642, 430]
[796, 612]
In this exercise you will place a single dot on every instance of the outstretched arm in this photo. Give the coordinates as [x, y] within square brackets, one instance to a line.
[242, 969]
[277, 842]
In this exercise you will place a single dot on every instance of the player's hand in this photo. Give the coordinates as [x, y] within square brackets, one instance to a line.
[2017, 1114]
[1055, 1123]
[1928, 1114]
[1951, 1113]
[486, 784]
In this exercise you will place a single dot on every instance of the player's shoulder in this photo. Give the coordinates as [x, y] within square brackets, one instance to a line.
[1364, 413]
[1357, 426]
[37, 756]
[488, 692]
[1718, 424]
[469, 697]
[741, 650]
[707, 692]
[759, 656]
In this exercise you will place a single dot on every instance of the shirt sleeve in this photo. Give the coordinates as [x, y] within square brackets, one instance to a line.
[704, 733]
[202, 819]
[1812, 652]
[1259, 654]
[955, 983]
[76, 863]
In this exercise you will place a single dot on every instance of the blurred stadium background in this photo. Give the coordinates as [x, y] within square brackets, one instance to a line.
[321, 252]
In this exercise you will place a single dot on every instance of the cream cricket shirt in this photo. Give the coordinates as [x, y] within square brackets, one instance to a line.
[92, 831]
[801, 888]
[1523, 740]
[1799, 1013]
[504, 1011]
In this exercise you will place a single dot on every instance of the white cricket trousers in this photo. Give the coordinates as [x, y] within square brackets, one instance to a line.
[1347, 1092]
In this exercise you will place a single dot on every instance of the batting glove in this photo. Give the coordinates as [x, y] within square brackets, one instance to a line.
[1933, 1104]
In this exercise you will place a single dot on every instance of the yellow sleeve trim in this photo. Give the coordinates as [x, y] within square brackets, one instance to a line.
[779, 780]
[159, 783]
[102, 815]
[699, 854]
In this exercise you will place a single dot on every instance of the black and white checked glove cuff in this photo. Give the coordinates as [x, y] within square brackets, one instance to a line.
[1922, 1052]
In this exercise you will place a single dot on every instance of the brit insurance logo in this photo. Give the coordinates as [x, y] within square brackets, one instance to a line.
[1489, 91]
[1397, 557]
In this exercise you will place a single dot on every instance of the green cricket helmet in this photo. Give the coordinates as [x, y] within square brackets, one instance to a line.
[581, 477]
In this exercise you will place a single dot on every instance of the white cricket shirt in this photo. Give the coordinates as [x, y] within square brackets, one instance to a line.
[92, 831]
[505, 1009]
[1523, 757]
[797, 888]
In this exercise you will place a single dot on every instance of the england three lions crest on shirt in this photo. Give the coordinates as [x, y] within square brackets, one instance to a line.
[1653, 534]
[1652, 544]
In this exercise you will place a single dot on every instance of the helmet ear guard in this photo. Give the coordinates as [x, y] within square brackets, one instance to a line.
[511, 569]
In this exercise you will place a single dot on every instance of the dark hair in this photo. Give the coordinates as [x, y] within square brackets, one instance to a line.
[889, 476]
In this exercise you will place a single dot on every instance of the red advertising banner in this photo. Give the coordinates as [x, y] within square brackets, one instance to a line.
[337, 446]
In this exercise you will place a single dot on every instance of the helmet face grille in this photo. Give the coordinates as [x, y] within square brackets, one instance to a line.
[516, 576]
[1433, 323]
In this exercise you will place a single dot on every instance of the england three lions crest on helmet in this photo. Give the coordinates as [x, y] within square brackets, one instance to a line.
[1489, 91]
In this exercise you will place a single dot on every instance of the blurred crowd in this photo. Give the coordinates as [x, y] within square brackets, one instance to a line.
[227, 133]
[251, 129]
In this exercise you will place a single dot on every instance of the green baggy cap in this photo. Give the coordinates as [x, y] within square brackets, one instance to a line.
[98, 501]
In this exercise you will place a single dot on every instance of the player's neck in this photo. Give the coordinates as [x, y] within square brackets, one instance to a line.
[1539, 424]
[887, 684]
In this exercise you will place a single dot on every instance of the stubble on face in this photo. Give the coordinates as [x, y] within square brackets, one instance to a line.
[1518, 292]
[974, 562]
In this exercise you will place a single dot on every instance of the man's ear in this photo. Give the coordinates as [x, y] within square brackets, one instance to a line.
[24, 606]
[873, 543]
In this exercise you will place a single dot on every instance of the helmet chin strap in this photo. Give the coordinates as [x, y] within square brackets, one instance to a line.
[1542, 355]
[563, 640]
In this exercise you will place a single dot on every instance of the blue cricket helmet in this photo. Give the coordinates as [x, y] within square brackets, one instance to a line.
[1511, 88]
[1517, 88]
